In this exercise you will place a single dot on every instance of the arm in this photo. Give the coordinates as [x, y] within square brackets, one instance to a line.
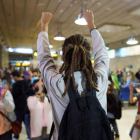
[46, 63]
[127, 83]
[131, 98]
[7, 100]
[101, 59]
[138, 90]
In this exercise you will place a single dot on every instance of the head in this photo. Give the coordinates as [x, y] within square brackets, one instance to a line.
[76, 57]
[34, 73]
[34, 85]
[15, 75]
[37, 84]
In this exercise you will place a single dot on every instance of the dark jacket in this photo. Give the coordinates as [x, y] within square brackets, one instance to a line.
[19, 95]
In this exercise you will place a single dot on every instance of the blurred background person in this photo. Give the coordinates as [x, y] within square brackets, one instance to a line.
[113, 106]
[7, 107]
[135, 132]
[6, 79]
[138, 75]
[40, 112]
[130, 77]
[19, 96]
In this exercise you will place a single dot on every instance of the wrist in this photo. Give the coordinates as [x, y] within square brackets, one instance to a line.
[44, 27]
[91, 25]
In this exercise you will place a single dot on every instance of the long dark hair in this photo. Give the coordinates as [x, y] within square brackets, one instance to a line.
[76, 57]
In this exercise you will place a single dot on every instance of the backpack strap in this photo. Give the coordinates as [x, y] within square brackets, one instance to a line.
[71, 91]
[52, 130]
[139, 107]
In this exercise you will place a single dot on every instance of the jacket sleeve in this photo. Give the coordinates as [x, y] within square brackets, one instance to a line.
[101, 64]
[46, 63]
[8, 102]
[32, 102]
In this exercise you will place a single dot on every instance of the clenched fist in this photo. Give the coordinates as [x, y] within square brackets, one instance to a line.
[46, 17]
[88, 15]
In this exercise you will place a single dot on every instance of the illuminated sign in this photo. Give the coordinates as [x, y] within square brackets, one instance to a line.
[129, 51]
[111, 53]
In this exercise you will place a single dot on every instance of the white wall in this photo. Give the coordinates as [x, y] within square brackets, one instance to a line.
[121, 63]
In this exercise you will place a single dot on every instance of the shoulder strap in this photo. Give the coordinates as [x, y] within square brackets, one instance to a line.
[139, 107]
[71, 91]
[52, 130]
[5, 117]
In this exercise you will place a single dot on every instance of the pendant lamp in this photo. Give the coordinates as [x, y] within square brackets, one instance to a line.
[80, 19]
[132, 40]
[59, 36]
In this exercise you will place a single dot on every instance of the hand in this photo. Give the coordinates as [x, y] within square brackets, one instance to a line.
[38, 96]
[131, 87]
[88, 15]
[45, 19]
[3, 93]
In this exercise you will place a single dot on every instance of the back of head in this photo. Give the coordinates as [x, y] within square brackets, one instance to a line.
[15, 73]
[76, 57]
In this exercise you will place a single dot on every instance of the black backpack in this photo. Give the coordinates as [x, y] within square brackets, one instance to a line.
[114, 105]
[84, 118]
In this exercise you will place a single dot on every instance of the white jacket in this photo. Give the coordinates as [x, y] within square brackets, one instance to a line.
[54, 81]
[36, 115]
[7, 106]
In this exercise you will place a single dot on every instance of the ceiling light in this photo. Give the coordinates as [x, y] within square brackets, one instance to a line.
[132, 40]
[35, 53]
[80, 19]
[50, 46]
[59, 36]
[107, 48]
[21, 50]
[10, 50]
[24, 50]
[61, 52]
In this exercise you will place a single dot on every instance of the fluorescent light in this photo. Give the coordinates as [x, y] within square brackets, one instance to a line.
[61, 52]
[80, 20]
[10, 50]
[21, 50]
[50, 46]
[24, 50]
[132, 40]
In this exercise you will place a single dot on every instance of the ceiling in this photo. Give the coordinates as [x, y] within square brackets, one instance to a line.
[19, 19]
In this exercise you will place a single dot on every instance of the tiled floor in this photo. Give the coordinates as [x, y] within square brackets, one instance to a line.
[125, 124]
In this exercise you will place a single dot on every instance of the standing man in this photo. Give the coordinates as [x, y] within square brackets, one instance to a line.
[19, 96]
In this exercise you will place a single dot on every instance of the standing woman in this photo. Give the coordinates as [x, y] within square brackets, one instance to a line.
[77, 64]
[6, 107]
[40, 113]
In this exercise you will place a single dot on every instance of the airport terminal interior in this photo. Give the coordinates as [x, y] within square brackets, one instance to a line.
[50, 46]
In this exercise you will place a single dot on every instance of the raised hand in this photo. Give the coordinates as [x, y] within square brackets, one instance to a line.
[3, 93]
[45, 19]
[88, 15]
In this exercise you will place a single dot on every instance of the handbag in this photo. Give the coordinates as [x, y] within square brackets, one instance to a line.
[16, 125]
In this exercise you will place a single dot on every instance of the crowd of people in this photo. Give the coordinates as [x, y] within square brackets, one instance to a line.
[38, 97]
[26, 100]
